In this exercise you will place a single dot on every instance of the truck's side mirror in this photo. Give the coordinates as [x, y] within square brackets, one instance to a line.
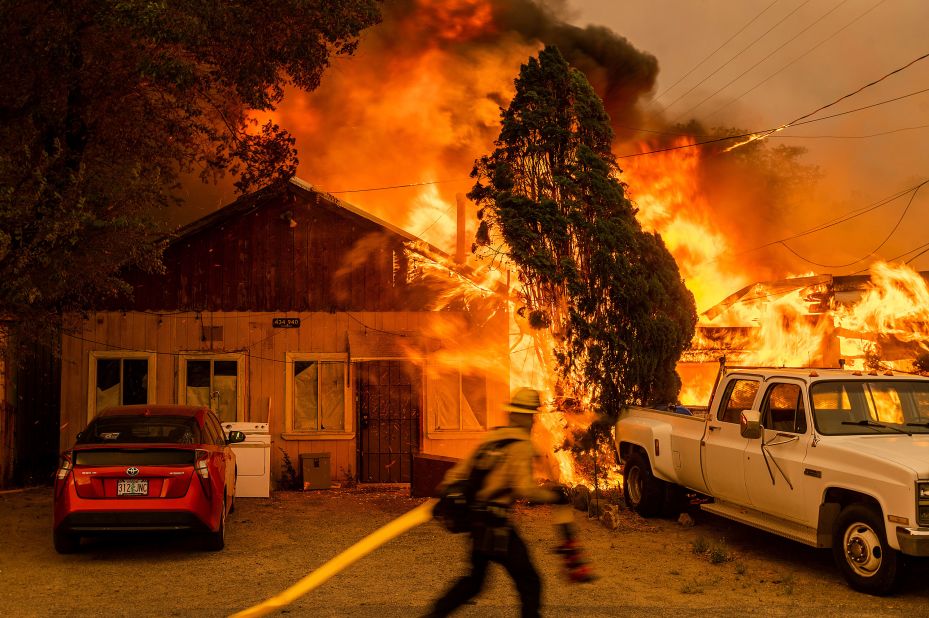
[235, 437]
[750, 424]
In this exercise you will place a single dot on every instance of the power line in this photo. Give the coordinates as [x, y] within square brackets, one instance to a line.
[921, 126]
[830, 223]
[840, 99]
[765, 133]
[873, 251]
[804, 54]
[924, 246]
[713, 53]
[847, 217]
[771, 53]
[739, 53]
[412, 184]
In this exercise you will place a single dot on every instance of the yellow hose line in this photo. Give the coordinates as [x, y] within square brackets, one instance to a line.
[362, 548]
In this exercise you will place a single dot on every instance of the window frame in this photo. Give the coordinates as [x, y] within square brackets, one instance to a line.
[241, 385]
[348, 421]
[765, 406]
[721, 412]
[95, 355]
[432, 417]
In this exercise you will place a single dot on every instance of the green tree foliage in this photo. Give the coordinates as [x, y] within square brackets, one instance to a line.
[611, 293]
[105, 104]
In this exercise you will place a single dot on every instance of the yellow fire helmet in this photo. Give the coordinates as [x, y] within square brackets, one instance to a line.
[525, 400]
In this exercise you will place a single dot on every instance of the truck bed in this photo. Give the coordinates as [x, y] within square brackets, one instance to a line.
[676, 438]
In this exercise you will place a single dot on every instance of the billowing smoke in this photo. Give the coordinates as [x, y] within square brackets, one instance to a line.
[420, 101]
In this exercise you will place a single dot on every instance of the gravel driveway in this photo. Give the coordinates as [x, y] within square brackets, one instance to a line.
[647, 568]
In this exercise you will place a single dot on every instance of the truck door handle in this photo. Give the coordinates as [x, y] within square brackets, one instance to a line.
[714, 427]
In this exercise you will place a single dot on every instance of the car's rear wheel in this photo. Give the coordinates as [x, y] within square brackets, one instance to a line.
[642, 491]
[66, 542]
[861, 552]
[215, 541]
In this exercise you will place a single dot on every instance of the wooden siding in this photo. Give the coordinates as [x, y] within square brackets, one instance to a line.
[285, 252]
[264, 348]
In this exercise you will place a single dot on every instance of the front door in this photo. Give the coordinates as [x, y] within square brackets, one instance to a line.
[389, 400]
[774, 464]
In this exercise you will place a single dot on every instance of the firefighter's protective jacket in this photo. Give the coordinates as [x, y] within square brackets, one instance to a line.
[511, 477]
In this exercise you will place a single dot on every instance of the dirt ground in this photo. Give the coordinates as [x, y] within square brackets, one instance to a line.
[646, 568]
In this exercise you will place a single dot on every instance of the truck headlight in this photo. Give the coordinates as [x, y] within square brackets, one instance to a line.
[923, 491]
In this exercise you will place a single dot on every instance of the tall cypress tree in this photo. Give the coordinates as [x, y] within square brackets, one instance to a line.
[610, 292]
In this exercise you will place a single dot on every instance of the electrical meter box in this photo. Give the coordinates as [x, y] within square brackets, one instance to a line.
[316, 471]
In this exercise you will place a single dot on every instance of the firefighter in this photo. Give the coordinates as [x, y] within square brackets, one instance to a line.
[507, 453]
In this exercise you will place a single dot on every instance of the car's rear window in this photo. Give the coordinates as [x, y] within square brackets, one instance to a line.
[134, 457]
[164, 429]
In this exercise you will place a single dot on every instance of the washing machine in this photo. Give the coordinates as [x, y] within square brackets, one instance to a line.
[253, 459]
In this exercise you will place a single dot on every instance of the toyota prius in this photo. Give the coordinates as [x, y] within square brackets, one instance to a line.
[146, 468]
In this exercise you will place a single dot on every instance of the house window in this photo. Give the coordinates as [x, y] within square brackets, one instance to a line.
[458, 401]
[118, 379]
[316, 394]
[215, 382]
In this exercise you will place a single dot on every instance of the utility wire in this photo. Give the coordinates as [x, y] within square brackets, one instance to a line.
[873, 251]
[713, 53]
[848, 216]
[837, 101]
[768, 132]
[804, 54]
[771, 53]
[739, 53]
[827, 224]
[412, 184]
[924, 246]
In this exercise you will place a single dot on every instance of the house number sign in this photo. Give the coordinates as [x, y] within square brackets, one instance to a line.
[285, 322]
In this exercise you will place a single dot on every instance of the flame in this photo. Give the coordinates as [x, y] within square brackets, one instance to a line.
[666, 189]
[419, 102]
[892, 316]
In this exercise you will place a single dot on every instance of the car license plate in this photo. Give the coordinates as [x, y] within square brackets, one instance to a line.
[131, 487]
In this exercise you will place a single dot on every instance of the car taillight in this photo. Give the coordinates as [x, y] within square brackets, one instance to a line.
[64, 467]
[201, 465]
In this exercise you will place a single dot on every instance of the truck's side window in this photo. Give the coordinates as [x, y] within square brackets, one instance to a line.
[739, 396]
[783, 409]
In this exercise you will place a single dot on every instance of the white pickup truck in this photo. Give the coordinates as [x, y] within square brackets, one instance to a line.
[827, 457]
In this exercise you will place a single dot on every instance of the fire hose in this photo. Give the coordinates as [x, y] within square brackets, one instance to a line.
[362, 548]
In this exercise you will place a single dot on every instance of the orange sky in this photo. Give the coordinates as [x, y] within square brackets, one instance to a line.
[858, 172]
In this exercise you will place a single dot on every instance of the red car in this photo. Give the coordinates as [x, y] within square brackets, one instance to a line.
[146, 467]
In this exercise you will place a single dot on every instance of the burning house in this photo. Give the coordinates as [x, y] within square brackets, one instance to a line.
[291, 307]
[875, 321]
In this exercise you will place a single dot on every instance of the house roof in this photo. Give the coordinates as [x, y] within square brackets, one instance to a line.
[254, 201]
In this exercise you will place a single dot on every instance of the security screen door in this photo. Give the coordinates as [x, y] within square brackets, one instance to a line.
[389, 399]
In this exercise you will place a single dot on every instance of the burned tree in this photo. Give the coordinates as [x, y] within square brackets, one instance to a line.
[609, 292]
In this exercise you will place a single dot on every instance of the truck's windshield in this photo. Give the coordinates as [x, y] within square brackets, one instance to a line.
[870, 406]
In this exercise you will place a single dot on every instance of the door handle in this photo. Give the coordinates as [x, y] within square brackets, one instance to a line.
[714, 427]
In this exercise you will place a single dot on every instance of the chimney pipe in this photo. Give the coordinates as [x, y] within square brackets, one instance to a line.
[460, 251]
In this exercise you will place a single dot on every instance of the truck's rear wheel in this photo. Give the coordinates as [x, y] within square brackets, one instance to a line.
[643, 493]
[861, 552]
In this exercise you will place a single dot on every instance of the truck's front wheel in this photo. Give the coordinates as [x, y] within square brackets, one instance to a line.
[644, 493]
[860, 549]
